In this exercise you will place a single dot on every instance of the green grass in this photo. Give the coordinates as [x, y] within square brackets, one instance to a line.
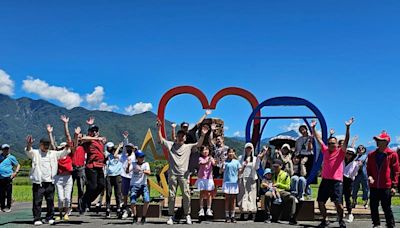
[22, 191]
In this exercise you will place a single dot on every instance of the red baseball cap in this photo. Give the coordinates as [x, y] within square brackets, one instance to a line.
[384, 136]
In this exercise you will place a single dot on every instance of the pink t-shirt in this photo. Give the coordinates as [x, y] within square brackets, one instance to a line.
[333, 167]
[205, 170]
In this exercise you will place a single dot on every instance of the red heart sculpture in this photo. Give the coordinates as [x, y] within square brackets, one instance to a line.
[204, 102]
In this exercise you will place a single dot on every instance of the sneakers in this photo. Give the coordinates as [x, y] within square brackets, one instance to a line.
[209, 212]
[296, 200]
[323, 224]
[38, 223]
[351, 218]
[50, 221]
[58, 218]
[277, 201]
[125, 215]
[302, 198]
[66, 217]
[188, 220]
[233, 220]
[7, 210]
[354, 204]
[366, 204]
[108, 213]
[201, 212]
[227, 220]
[170, 220]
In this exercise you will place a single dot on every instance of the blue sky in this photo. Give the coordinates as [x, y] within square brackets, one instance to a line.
[342, 56]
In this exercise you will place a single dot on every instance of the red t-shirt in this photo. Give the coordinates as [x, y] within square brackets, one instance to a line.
[78, 157]
[95, 155]
[65, 166]
[333, 165]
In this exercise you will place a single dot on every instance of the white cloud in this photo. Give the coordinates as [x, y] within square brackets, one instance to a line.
[138, 108]
[397, 139]
[226, 128]
[43, 89]
[6, 84]
[237, 134]
[96, 97]
[105, 107]
[293, 126]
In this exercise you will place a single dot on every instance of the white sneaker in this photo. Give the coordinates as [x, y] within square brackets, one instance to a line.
[37, 223]
[188, 220]
[51, 222]
[170, 221]
[7, 210]
[277, 201]
[296, 200]
[301, 198]
[209, 212]
[125, 215]
[351, 218]
[201, 212]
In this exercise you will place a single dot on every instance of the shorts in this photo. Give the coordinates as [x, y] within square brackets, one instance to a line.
[332, 189]
[137, 191]
[125, 186]
[230, 188]
[205, 184]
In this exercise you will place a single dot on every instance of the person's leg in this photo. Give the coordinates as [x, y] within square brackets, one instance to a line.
[324, 192]
[347, 186]
[60, 193]
[301, 187]
[374, 205]
[37, 193]
[2, 194]
[202, 197]
[209, 199]
[365, 188]
[269, 196]
[337, 198]
[172, 185]
[8, 192]
[386, 202]
[117, 191]
[227, 203]
[108, 192]
[49, 195]
[356, 188]
[68, 193]
[294, 186]
[101, 183]
[146, 200]
[289, 201]
[232, 206]
[91, 186]
[184, 185]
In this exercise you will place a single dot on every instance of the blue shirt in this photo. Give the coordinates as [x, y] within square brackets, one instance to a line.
[7, 164]
[114, 166]
[231, 171]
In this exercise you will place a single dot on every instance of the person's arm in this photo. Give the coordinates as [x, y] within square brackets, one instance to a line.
[89, 138]
[63, 153]
[315, 134]
[394, 172]
[90, 121]
[310, 146]
[77, 132]
[208, 112]
[65, 120]
[285, 185]
[331, 132]
[147, 171]
[347, 138]
[173, 132]
[28, 149]
[49, 129]
[18, 166]
[354, 141]
[290, 169]
[204, 131]
[303, 170]
[120, 145]
[161, 139]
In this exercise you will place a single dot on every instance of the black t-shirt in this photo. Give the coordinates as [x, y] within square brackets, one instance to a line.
[191, 136]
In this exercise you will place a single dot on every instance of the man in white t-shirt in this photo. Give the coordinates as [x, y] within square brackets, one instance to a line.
[139, 170]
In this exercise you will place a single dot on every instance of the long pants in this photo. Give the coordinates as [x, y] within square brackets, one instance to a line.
[113, 182]
[64, 186]
[298, 186]
[5, 192]
[385, 197]
[287, 198]
[95, 185]
[347, 189]
[173, 183]
[78, 176]
[361, 179]
[46, 189]
[247, 197]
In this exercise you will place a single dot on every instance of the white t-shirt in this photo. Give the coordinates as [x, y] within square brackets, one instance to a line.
[138, 177]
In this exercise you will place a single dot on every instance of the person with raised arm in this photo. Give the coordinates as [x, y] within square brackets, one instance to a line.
[113, 177]
[78, 167]
[179, 155]
[332, 173]
[44, 169]
[9, 168]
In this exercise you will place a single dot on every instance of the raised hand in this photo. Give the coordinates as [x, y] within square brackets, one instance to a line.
[125, 134]
[64, 119]
[49, 128]
[332, 131]
[349, 122]
[313, 123]
[78, 130]
[205, 129]
[208, 112]
[371, 180]
[158, 123]
[173, 125]
[90, 121]
[213, 126]
[29, 140]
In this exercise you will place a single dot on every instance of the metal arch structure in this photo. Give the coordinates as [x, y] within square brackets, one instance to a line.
[290, 101]
[247, 95]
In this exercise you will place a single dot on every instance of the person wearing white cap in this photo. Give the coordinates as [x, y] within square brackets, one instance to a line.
[247, 198]
[286, 158]
[349, 174]
[7, 173]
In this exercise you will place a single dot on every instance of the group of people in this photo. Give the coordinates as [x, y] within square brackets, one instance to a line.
[97, 165]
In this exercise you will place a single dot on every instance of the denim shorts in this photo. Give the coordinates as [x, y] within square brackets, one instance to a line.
[140, 190]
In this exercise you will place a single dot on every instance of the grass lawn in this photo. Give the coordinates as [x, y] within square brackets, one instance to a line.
[22, 191]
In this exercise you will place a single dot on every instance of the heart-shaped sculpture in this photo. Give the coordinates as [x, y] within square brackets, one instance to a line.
[206, 105]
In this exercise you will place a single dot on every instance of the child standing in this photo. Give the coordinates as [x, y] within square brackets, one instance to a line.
[140, 170]
[205, 182]
[267, 186]
[231, 169]
[349, 174]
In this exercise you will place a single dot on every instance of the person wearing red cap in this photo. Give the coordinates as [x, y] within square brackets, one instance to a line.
[382, 170]
[332, 173]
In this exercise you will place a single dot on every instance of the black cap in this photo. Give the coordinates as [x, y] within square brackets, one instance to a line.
[278, 162]
[184, 124]
[93, 128]
[44, 141]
